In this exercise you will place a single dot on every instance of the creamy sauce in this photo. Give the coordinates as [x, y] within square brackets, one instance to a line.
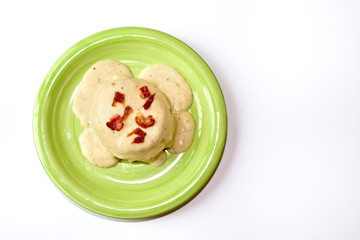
[158, 136]
[159, 160]
[178, 91]
[173, 127]
[184, 132]
[94, 150]
[101, 72]
[171, 83]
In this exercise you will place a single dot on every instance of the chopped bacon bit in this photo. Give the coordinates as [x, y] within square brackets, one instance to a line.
[119, 97]
[117, 122]
[145, 93]
[94, 68]
[144, 122]
[149, 102]
[128, 110]
[139, 139]
[141, 135]
[136, 131]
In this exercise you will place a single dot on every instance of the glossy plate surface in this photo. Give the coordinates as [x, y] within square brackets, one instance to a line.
[128, 190]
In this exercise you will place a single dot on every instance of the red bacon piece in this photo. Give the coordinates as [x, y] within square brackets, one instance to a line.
[145, 93]
[141, 135]
[149, 102]
[144, 122]
[119, 97]
[117, 122]
[128, 110]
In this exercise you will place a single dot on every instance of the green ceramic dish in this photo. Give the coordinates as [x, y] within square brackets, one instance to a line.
[128, 190]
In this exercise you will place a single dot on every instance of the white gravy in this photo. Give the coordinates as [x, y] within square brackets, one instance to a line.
[165, 78]
[184, 132]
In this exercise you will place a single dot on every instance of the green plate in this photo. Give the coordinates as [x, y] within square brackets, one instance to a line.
[128, 190]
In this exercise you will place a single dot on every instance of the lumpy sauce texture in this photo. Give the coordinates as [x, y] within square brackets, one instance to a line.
[133, 118]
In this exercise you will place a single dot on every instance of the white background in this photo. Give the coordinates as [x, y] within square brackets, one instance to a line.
[290, 73]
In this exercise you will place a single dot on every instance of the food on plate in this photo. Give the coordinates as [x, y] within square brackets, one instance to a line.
[98, 74]
[171, 83]
[135, 123]
[184, 132]
[136, 119]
